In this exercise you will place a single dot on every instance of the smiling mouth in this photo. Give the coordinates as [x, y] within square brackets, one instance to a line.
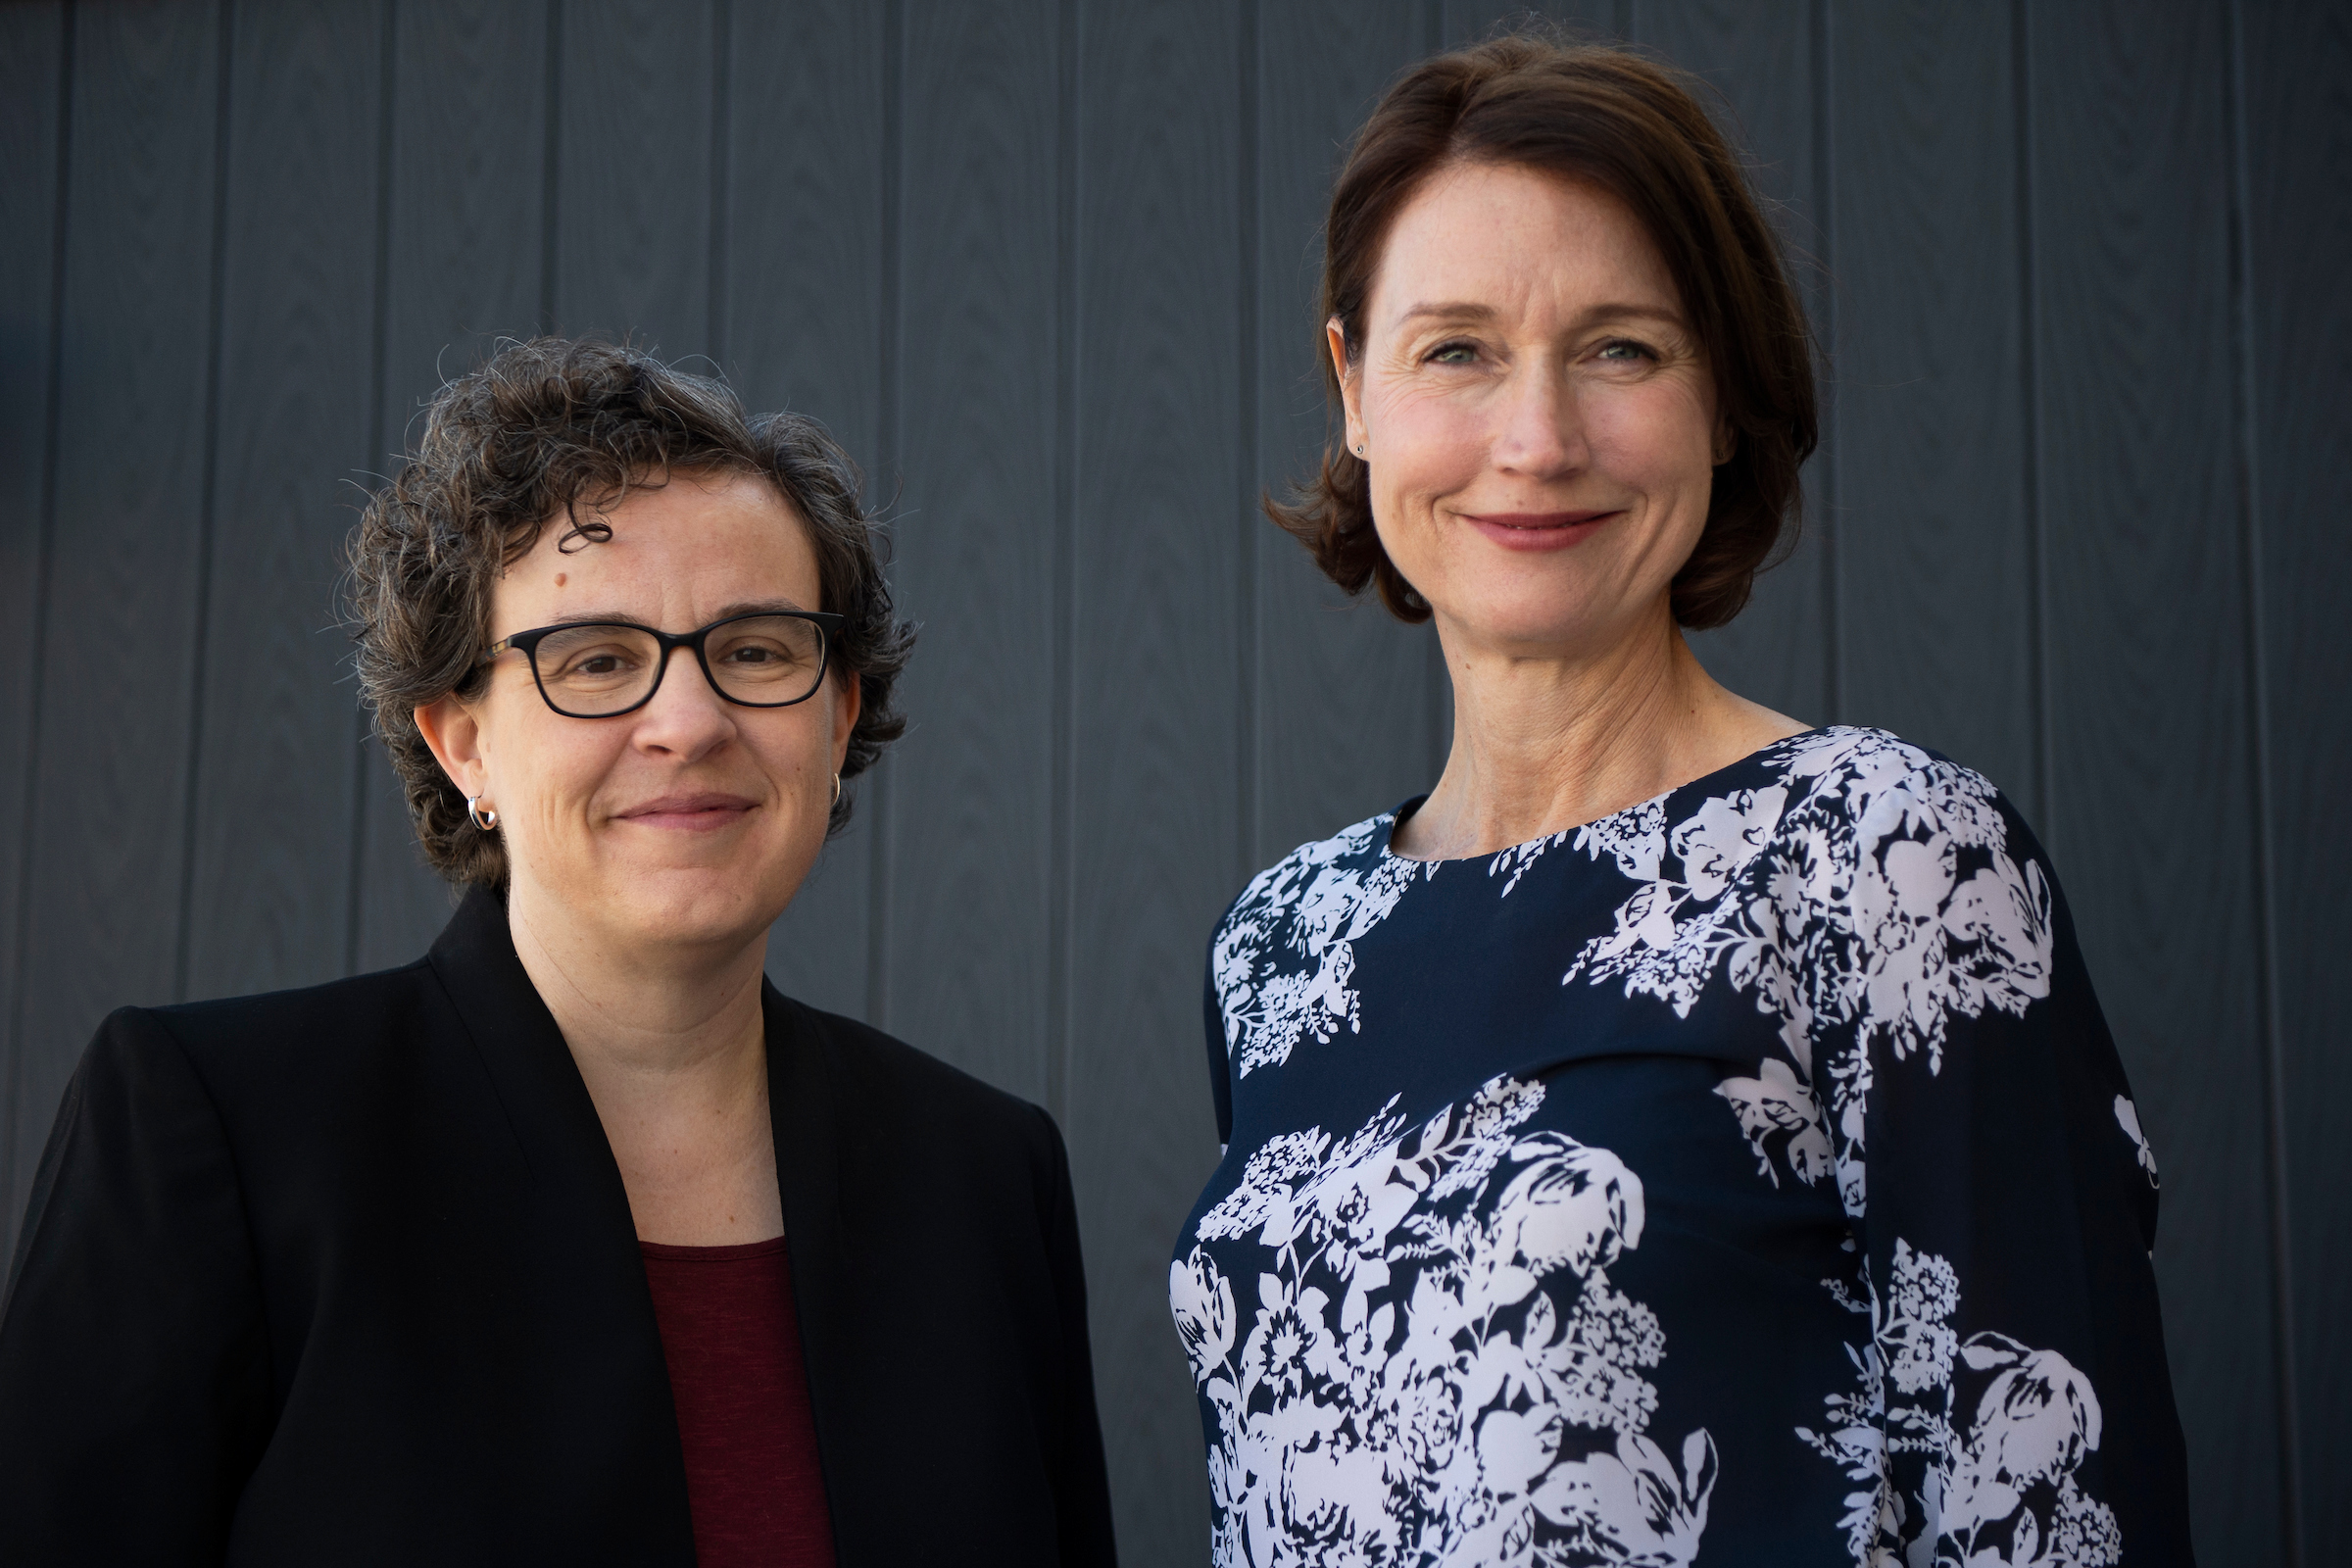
[1537, 530]
[690, 812]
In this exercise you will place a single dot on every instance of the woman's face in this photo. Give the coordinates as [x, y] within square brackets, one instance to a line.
[691, 820]
[1539, 424]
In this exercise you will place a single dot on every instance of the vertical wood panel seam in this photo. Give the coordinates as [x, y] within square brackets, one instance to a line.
[2038, 550]
[1824, 221]
[551, 148]
[722, 173]
[886, 462]
[209, 505]
[2283, 1308]
[1246, 781]
[379, 355]
[1061, 850]
[44, 554]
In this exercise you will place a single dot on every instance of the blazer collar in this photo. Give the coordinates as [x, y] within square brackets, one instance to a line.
[802, 1103]
[563, 1144]
[800, 1095]
[575, 1239]
[539, 1085]
[556, 1122]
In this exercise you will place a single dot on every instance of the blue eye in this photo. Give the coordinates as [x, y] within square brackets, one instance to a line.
[1453, 354]
[1624, 349]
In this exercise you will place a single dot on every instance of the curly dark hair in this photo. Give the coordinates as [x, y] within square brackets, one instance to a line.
[565, 428]
[1609, 118]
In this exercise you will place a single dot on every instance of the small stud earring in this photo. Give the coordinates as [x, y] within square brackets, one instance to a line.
[484, 818]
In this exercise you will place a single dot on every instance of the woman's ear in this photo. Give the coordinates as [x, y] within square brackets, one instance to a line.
[845, 708]
[1351, 383]
[455, 735]
[1727, 442]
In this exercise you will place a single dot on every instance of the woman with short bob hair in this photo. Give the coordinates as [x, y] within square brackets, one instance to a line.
[574, 1240]
[1686, 1132]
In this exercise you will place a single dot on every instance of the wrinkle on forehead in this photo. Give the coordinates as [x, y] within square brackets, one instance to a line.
[1499, 250]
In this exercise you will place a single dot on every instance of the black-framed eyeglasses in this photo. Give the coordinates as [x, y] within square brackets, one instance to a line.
[605, 669]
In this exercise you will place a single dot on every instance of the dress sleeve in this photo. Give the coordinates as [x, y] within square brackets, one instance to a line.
[1082, 1491]
[2004, 1202]
[135, 1393]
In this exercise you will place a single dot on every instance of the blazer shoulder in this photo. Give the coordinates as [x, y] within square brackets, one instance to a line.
[346, 1011]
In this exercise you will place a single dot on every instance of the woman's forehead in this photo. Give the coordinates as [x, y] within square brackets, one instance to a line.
[1496, 237]
[722, 538]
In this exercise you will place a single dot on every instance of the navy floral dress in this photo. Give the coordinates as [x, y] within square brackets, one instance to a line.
[1746, 1177]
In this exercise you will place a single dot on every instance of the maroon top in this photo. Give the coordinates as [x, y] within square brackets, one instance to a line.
[733, 1344]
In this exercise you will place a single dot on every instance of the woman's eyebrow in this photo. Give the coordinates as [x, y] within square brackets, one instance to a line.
[760, 606]
[623, 617]
[1448, 310]
[1469, 311]
[597, 618]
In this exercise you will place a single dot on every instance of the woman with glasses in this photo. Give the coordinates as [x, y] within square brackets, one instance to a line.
[574, 1240]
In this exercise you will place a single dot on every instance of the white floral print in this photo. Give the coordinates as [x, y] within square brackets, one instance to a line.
[1406, 1339]
[1312, 905]
[1941, 1480]
[1635, 837]
[1411, 1389]
[1779, 1116]
[1864, 899]
[2126, 1117]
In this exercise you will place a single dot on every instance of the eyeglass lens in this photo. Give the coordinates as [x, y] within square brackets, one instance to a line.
[764, 659]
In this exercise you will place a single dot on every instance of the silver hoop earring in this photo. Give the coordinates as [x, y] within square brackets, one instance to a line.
[837, 789]
[484, 818]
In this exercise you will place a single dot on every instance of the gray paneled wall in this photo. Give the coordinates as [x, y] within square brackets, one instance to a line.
[1048, 267]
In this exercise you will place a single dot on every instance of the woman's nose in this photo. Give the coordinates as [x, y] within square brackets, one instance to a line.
[1542, 433]
[686, 715]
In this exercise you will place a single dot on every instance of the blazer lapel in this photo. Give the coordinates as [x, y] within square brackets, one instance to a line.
[546, 1103]
[803, 1111]
[602, 1383]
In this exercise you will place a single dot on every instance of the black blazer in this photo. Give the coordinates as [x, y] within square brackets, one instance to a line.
[347, 1276]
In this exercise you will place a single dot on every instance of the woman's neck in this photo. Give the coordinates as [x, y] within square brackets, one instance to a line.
[1547, 743]
[672, 1047]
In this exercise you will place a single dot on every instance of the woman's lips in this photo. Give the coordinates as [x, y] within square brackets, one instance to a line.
[691, 813]
[1537, 530]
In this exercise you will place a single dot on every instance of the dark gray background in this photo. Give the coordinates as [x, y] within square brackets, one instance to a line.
[1045, 267]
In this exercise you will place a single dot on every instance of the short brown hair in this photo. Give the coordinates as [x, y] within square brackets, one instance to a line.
[558, 426]
[1611, 118]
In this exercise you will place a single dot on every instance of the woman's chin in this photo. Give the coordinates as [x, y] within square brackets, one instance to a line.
[689, 905]
[1549, 630]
